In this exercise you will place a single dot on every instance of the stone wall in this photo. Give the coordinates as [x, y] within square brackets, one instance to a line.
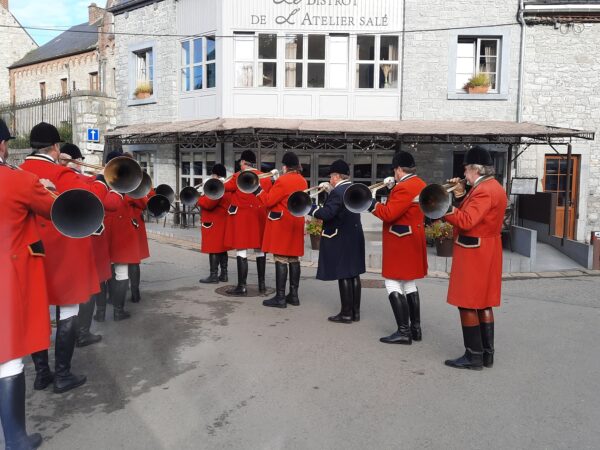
[561, 88]
[15, 44]
[158, 18]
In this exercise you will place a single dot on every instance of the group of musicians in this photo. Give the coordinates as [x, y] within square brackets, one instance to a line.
[43, 267]
[39, 260]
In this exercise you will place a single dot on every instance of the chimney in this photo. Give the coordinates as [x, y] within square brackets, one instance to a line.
[4, 3]
[95, 13]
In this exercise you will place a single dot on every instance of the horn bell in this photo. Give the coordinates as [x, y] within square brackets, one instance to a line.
[358, 198]
[158, 206]
[166, 191]
[299, 204]
[123, 174]
[77, 213]
[434, 201]
[143, 189]
[214, 189]
[189, 196]
[248, 182]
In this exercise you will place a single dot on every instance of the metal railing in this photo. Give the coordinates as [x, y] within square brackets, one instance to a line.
[22, 117]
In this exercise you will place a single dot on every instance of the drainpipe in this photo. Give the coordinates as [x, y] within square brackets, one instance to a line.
[521, 63]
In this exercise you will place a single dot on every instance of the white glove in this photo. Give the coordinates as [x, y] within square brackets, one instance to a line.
[390, 182]
[326, 186]
[275, 174]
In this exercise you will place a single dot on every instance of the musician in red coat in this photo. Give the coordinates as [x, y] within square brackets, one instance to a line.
[284, 233]
[213, 217]
[121, 226]
[24, 317]
[246, 226]
[404, 249]
[476, 276]
[62, 254]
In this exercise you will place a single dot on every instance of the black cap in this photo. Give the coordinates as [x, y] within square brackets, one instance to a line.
[248, 156]
[4, 132]
[113, 155]
[219, 169]
[290, 159]
[403, 159]
[478, 155]
[72, 150]
[44, 135]
[339, 166]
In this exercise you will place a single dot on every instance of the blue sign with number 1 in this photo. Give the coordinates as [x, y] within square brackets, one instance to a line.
[93, 135]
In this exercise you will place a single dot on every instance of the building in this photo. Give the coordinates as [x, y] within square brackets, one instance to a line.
[13, 49]
[328, 79]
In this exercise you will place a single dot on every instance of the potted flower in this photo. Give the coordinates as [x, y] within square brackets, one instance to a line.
[478, 84]
[314, 228]
[441, 233]
[143, 90]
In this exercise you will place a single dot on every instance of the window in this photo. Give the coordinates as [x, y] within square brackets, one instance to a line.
[267, 60]
[294, 56]
[146, 162]
[477, 55]
[244, 60]
[144, 68]
[338, 62]
[43, 91]
[198, 68]
[196, 166]
[377, 55]
[64, 86]
[315, 77]
[94, 82]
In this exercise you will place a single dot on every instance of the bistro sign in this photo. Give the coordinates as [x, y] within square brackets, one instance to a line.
[343, 14]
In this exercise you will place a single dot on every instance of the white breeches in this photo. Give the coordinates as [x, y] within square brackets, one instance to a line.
[68, 311]
[121, 271]
[402, 286]
[11, 368]
[244, 253]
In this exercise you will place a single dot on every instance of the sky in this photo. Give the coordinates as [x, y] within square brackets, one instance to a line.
[57, 14]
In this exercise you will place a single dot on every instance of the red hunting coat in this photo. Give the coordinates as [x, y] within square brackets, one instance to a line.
[284, 233]
[214, 216]
[404, 244]
[247, 216]
[24, 316]
[123, 237]
[137, 208]
[476, 276]
[70, 265]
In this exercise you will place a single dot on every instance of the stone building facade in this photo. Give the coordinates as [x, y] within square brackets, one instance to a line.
[13, 49]
[349, 60]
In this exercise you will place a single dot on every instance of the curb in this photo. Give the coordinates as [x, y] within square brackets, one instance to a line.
[170, 238]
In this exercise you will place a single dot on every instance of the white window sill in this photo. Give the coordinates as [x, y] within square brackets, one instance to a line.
[141, 101]
[467, 96]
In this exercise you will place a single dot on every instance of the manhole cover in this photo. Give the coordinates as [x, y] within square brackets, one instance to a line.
[252, 291]
[372, 284]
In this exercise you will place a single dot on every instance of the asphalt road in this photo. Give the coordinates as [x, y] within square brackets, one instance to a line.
[195, 370]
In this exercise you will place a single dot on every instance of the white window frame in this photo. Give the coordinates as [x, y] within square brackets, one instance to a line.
[248, 62]
[134, 50]
[503, 77]
[259, 61]
[476, 42]
[191, 65]
[376, 62]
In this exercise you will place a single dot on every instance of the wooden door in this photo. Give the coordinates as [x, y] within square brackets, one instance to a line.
[555, 180]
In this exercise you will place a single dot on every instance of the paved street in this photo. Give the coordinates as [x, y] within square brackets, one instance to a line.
[195, 370]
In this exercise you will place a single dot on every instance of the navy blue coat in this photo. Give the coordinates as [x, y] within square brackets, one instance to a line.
[342, 251]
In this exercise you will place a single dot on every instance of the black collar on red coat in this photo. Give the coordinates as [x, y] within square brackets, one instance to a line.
[44, 158]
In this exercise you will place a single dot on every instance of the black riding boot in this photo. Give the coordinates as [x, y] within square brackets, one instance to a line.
[356, 294]
[400, 309]
[414, 309]
[84, 320]
[134, 279]
[12, 414]
[66, 334]
[279, 301]
[118, 292]
[487, 339]
[213, 261]
[292, 297]
[43, 375]
[261, 264]
[223, 259]
[346, 297]
[101, 303]
[473, 357]
[242, 272]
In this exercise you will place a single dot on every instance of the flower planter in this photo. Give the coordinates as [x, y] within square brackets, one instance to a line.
[478, 89]
[444, 247]
[143, 95]
[315, 241]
